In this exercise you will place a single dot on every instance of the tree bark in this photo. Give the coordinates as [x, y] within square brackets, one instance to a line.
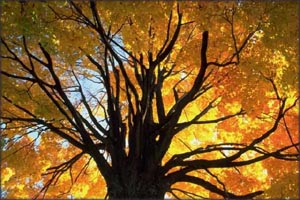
[137, 187]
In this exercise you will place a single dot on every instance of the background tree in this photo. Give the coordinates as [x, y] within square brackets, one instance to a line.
[136, 99]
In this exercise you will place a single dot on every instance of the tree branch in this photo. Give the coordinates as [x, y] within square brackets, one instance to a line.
[207, 185]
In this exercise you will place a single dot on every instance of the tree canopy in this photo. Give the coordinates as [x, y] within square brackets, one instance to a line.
[149, 99]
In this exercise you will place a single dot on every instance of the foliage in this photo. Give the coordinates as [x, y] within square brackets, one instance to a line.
[149, 99]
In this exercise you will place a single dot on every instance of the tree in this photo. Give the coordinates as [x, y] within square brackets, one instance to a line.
[185, 99]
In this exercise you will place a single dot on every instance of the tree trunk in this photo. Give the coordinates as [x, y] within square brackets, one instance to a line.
[137, 186]
[148, 192]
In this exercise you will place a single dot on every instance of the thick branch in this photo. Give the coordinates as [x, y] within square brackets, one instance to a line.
[176, 110]
[207, 185]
